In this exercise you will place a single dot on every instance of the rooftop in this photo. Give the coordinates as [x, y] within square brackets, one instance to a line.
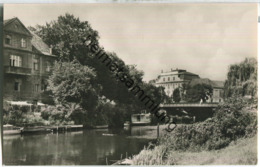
[177, 72]
[37, 42]
[9, 20]
[214, 84]
[41, 46]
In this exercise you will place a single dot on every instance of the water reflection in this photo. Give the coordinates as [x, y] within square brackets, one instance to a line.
[88, 147]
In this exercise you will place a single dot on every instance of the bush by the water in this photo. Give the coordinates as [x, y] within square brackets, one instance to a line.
[231, 121]
[57, 115]
[20, 116]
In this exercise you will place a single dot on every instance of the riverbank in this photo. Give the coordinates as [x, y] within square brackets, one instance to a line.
[227, 138]
[148, 132]
[242, 152]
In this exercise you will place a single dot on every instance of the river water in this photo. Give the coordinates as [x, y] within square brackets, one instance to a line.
[86, 147]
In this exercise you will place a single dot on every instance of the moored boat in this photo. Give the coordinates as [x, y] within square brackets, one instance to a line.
[11, 130]
[141, 119]
[101, 127]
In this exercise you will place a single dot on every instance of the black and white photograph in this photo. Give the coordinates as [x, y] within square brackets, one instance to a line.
[129, 84]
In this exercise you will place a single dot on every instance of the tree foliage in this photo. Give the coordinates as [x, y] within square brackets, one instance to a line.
[88, 79]
[242, 78]
[66, 35]
[72, 82]
[176, 95]
[235, 118]
[198, 92]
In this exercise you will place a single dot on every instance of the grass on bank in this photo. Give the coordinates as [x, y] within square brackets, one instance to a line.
[241, 152]
[229, 137]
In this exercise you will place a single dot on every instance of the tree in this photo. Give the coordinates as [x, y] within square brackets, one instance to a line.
[198, 92]
[67, 35]
[176, 95]
[72, 82]
[242, 79]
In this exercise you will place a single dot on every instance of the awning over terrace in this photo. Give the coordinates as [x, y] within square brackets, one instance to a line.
[23, 103]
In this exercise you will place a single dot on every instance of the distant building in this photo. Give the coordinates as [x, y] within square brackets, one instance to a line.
[27, 63]
[174, 79]
[218, 91]
[218, 88]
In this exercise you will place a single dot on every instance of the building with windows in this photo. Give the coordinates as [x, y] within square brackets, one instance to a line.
[27, 62]
[174, 79]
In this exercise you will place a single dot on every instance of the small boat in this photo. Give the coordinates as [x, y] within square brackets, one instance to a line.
[127, 123]
[101, 127]
[108, 134]
[11, 130]
[141, 119]
[125, 161]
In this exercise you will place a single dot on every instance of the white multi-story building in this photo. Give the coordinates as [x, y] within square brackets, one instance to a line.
[173, 79]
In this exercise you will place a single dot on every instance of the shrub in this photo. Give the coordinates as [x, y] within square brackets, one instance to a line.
[231, 121]
[20, 116]
[56, 115]
[176, 95]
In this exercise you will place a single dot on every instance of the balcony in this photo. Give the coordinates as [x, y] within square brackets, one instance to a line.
[17, 70]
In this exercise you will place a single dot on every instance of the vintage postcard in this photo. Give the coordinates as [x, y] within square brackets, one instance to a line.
[129, 84]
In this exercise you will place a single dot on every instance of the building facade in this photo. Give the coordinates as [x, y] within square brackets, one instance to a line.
[218, 92]
[174, 79]
[27, 62]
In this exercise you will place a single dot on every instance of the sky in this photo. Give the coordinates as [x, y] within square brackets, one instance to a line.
[201, 38]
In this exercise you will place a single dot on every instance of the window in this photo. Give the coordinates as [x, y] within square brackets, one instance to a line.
[17, 86]
[48, 67]
[8, 40]
[43, 85]
[216, 93]
[173, 78]
[15, 61]
[138, 117]
[23, 43]
[163, 79]
[36, 88]
[168, 78]
[36, 64]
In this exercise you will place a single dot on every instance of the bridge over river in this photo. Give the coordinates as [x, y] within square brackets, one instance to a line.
[200, 111]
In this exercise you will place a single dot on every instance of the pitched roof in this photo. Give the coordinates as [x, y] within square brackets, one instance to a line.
[200, 81]
[41, 46]
[187, 73]
[214, 84]
[8, 21]
[218, 84]
[37, 42]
